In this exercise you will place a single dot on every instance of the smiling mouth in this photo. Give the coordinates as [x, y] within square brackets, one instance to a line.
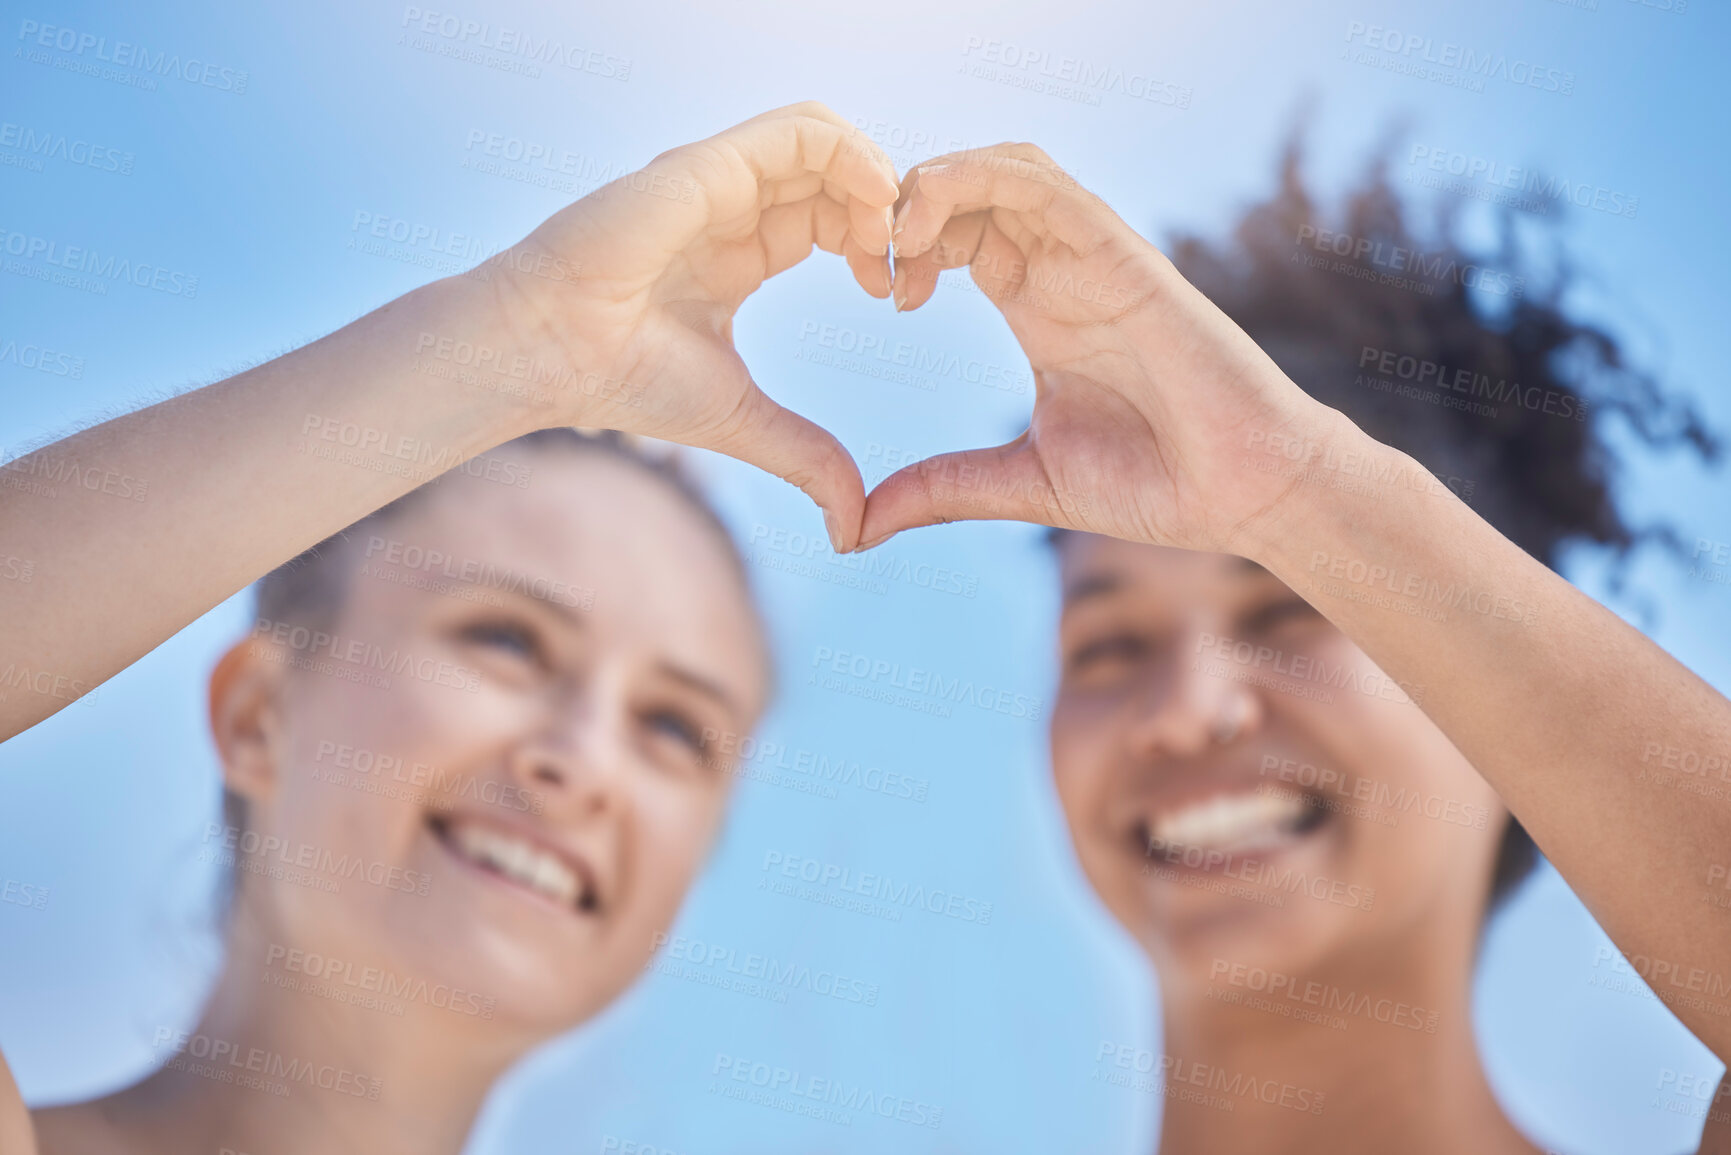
[1210, 832]
[517, 860]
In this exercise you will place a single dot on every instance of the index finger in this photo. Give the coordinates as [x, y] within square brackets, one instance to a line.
[808, 138]
[1048, 199]
[791, 146]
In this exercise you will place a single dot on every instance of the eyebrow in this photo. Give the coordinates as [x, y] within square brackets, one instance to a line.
[1092, 586]
[708, 687]
[524, 588]
[1099, 585]
[573, 614]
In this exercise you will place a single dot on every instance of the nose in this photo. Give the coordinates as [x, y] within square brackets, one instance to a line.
[576, 757]
[1189, 706]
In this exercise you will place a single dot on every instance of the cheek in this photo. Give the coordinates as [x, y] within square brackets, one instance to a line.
[673, 826]
[354, 753]
[1083, 739]
[1362, 732]
[1393, 759]
[1394, 741]
[1082, 736]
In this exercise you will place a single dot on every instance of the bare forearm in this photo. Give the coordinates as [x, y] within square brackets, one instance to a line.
[133, 528]
[1570, 713]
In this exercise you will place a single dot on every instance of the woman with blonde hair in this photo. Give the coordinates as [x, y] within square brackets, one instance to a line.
[555, 678]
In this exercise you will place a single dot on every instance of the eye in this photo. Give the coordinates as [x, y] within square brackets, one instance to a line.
[1102, 653]
[679, 728]
[507, 636]
[1276, 614]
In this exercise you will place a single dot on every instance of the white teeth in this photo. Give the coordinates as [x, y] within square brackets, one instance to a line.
[1229, 822]
[517, 859]
[555, 879]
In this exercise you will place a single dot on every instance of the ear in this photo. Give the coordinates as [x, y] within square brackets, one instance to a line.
[245, 717]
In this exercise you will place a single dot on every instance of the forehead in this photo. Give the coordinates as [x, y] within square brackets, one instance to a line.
[1100, 570]
[655, 578]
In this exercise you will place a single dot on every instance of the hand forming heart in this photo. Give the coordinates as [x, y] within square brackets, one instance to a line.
[660, 262]
[1144, 390]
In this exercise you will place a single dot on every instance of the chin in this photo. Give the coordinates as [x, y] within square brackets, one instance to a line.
[1274, 940]
[451, 959]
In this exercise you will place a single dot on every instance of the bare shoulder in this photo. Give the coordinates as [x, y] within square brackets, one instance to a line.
[1716, 1136]
[76, 1129]
[72, 1129]
[16, 1132]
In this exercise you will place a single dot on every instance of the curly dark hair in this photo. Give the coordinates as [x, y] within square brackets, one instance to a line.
[1467, 361]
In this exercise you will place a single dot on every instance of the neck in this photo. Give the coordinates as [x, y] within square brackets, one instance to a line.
[1369, 1053]
[276, 1067]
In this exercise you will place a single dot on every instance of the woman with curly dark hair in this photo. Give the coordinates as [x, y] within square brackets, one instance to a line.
[1317, 682]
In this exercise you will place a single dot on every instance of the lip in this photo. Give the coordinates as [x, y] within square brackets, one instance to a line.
[1199, 860]
[439, 824]
[1183, 790]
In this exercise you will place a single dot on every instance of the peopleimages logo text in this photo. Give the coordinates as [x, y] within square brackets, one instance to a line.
[882, 888]
[270, 1064]
[80, 259]
[1086, 76]
[509, 42]
[1542, 186]
[833, 1092]
[1432, 267]
[237, 841]
[768, 969]
[361, 653]
[377, 980]
[58, 146]
[124, 54]
[1453, 378]
[1447, 54]
[41, 359]
[916, 680]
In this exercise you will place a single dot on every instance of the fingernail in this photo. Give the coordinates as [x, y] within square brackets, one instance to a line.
[889, 172]
[900, 220]
[874, 542]
[936, 169]
[833, 527]
[899, 293]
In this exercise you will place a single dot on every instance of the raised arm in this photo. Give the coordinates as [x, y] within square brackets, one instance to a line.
[1153, 411]
[616, 313]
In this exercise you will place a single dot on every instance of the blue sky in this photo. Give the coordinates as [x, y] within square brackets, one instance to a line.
[263, 190]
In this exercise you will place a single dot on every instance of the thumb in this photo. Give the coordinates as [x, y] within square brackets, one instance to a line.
[1004, 483]
[802, 452]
